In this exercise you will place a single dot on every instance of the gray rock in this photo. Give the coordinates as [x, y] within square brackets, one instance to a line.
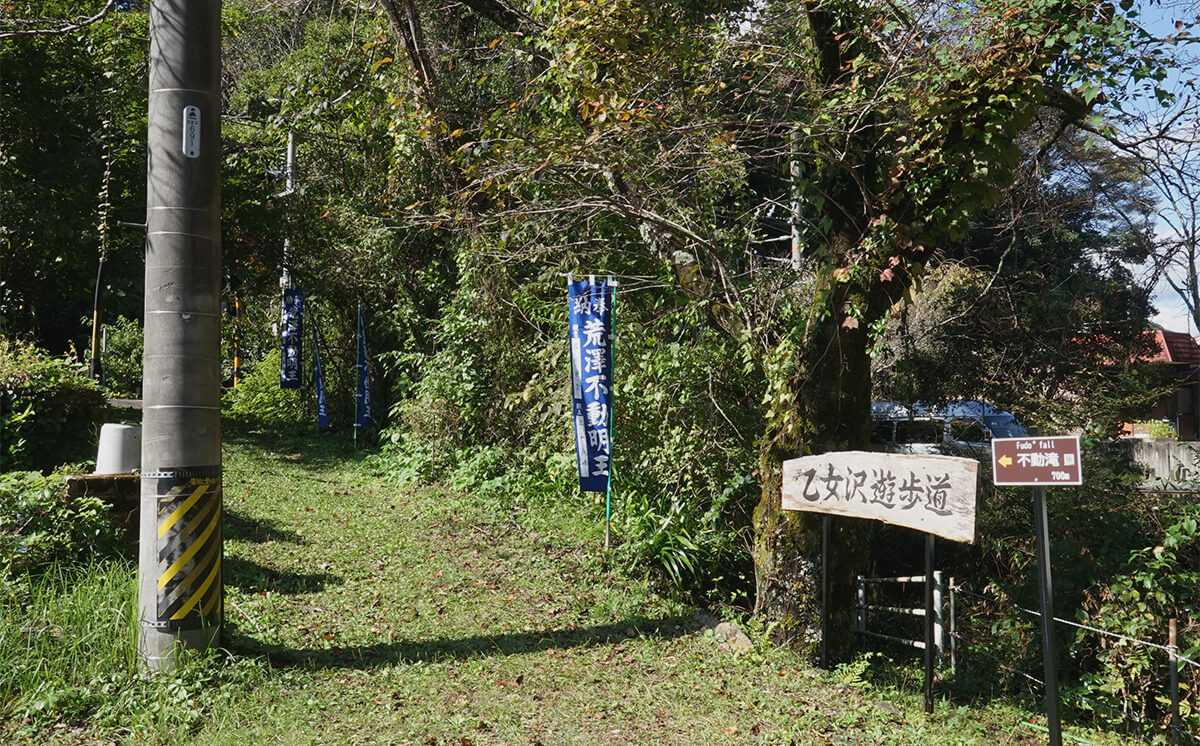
[732, 638]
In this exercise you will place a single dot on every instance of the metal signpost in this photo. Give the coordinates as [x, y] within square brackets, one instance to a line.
[933, 494]
[1037, 461]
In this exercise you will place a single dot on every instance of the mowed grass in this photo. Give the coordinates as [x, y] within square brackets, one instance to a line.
[361, 613]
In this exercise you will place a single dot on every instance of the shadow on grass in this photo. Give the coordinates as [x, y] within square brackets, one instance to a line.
[243, 528]
[252, 577]
[467, 648]
[304, 447]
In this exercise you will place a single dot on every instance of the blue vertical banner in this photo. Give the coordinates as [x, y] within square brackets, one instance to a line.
[318, 378]
[362, 401]
[290, 339]
[590, 314]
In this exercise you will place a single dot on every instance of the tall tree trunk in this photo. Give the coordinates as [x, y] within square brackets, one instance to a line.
[831, 388]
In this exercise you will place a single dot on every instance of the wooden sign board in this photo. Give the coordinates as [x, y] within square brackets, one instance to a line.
[934, 494]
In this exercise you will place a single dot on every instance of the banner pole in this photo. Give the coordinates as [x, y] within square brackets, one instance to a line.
[357, 363]
[607, 517]
[612, 416]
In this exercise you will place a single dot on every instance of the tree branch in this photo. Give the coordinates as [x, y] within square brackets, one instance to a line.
[73, 26]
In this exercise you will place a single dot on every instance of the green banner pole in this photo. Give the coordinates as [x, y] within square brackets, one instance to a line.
[612, 419]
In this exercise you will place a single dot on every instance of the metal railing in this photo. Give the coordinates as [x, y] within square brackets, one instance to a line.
[863, 610]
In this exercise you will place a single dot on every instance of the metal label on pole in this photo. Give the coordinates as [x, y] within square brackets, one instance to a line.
[191, 131]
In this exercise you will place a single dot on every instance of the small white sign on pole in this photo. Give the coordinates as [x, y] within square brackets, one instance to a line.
[934, 494]
[191, 131]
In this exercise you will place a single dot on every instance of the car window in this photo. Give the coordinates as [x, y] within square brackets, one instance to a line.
[1005, 427]
[971, 431]
[919, 431]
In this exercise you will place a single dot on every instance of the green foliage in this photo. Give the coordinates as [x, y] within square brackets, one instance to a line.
[1124, 562]
[51, 409]
[856, 673]
[683, 485]
[122, 361]
[72, 129]
[342, 592]
[68, 642]
[59, 633]
[259, 399]
[1052, 331]
[40, 526]
[491, 415]
[1158, 583]
[1156, 429]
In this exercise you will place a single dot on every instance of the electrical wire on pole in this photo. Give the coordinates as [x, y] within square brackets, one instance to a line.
[180, 584]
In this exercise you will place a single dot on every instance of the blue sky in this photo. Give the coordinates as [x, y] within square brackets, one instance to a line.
[1159, 18]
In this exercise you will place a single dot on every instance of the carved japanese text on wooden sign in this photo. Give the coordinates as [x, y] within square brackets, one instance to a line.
[934, 494]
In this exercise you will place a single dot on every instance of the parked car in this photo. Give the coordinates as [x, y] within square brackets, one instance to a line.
[956, 428]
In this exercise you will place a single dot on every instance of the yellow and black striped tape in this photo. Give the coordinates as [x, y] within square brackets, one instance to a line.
[189, 553]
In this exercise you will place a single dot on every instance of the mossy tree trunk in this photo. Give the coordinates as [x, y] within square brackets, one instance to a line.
[829, 381]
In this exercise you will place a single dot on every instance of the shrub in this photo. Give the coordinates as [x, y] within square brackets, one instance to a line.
[1160, 583]
[492, 415]
[259, 399]
[122, 361]
[49, 408]
[1156, 429]
[40, 526]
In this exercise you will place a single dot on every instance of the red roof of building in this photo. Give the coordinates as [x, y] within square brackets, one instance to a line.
[1174, 347]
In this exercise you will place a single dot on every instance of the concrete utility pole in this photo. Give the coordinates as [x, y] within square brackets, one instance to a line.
[180, 588]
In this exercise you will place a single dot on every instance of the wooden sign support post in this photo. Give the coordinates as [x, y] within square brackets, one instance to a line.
[930, 615]
[826, 527]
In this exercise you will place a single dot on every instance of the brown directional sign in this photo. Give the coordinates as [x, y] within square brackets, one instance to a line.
[1036, 460]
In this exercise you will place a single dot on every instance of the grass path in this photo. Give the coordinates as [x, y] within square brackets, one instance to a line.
[417, 617]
